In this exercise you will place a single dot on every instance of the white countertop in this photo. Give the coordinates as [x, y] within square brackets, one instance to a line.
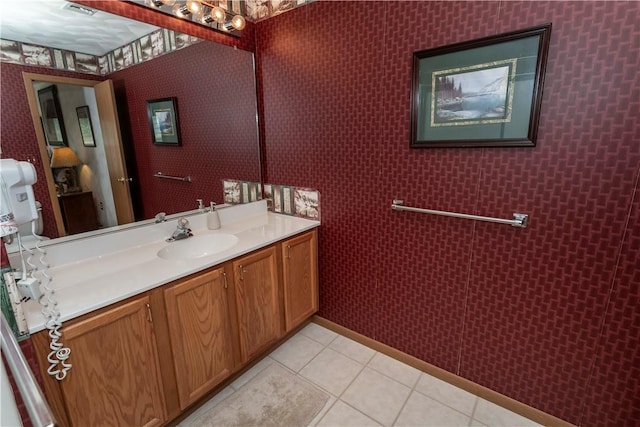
[92, 273]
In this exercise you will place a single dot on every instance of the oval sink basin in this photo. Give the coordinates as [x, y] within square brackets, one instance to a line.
[197, 246]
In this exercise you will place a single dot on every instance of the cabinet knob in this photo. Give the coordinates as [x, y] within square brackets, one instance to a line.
[242, 271]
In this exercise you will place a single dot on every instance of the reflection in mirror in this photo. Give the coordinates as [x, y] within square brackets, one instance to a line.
[215, 92]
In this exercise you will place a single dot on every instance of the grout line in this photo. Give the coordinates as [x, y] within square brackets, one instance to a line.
[447, 405]
[384, 374]
[346, 355]
[413, 389]
[339, 397]
[473, 412]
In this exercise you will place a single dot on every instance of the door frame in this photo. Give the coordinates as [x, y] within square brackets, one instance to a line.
[29, 80]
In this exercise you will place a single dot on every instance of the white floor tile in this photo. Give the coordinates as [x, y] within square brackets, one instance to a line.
[297, 352]
[318, 333]
[255, 370]
[421, 411]
[446, 393]
[497, 416]
[377, 396]
[323, 411]
[370, 389]
[223, 394]
[332, 371]
[395, 369]
[350, 348]
[344, 415]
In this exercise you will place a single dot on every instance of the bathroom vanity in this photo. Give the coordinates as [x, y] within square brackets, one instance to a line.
[143, 348]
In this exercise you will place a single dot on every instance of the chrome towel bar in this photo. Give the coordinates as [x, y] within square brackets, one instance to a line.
[177, 178]
[519, 220]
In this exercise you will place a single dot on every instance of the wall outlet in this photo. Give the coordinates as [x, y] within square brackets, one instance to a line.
[30, 287]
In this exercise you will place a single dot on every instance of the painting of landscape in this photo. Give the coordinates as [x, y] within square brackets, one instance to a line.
[473, 95]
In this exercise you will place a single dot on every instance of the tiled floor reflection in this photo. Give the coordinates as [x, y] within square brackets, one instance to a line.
[368, 388]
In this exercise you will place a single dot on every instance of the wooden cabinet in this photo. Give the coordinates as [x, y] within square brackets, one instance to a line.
[115, 378]
[300, 278]
[257, 301]
[200, 333]
[78, 212]
[207, 327]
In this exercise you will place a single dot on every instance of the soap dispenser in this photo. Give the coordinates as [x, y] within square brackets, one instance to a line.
[213, 220]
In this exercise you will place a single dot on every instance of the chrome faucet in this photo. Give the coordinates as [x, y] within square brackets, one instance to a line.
[182, 231]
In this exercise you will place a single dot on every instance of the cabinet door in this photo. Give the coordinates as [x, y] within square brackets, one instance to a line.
[300, 278]
[114, 380]
[200, 330]
[257, 301]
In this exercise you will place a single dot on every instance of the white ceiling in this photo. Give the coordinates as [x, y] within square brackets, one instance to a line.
[48, 23]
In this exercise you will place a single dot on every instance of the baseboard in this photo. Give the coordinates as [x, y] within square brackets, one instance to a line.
[463, 383]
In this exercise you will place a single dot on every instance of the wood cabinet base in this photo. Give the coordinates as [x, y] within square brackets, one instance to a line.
[146, 360]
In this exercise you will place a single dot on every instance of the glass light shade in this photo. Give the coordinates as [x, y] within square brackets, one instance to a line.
[194, 6]
[64, 157]
[238, 22]
[218, 14]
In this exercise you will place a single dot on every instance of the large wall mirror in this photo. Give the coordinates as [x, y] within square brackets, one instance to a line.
[215, 91]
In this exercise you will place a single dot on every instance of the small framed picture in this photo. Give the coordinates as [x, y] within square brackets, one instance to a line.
[277, 199]
[163, 121]
[244, 192]
[86, 129]
[231, 191]
[287, 200]
[307, 203]
[480, 93]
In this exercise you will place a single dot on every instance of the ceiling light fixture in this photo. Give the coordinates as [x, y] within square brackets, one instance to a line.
[205, 12]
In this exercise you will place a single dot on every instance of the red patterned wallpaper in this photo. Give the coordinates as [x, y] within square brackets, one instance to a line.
[217, 124]
[547, 315]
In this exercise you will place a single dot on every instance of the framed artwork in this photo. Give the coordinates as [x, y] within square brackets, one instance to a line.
[86, 129]
[163, 121]
[51, 114]
[481, 93]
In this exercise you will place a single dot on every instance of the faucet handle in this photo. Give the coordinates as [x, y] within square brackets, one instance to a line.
[200, 204]
[161, 217]
[183, 223]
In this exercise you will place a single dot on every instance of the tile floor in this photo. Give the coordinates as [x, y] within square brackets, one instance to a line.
[368, 388]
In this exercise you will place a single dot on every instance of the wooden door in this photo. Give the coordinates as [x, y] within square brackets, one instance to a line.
[257, 301]
[110, 125]
[300, 278]
[200, 330]
[115, 378]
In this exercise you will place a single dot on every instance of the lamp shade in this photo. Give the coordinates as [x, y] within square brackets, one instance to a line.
[64, 157]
